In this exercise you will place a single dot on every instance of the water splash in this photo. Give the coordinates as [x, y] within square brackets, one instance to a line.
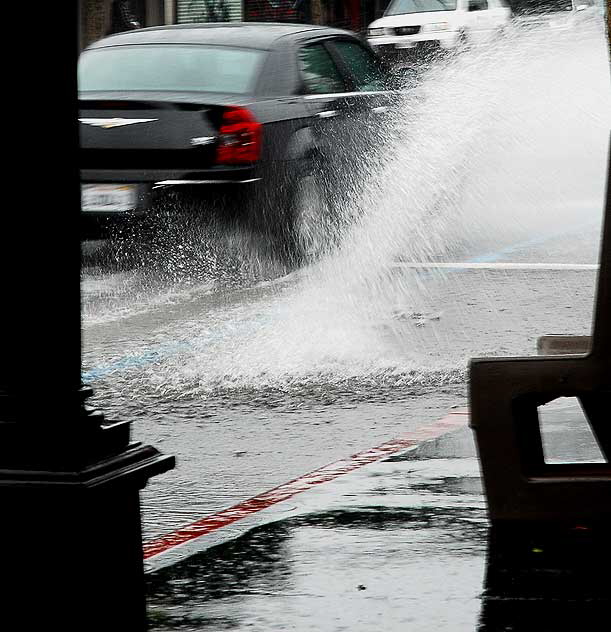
[493, 146]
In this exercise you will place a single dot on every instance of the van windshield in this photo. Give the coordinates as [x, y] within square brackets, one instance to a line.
[520, 7]
[398, 7]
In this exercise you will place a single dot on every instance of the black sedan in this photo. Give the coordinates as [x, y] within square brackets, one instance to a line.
[259, 121]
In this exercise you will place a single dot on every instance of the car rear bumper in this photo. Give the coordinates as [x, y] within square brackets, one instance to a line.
[209, 193]
[157, 176]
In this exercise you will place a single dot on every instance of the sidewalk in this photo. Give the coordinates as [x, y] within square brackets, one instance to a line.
[398, 543]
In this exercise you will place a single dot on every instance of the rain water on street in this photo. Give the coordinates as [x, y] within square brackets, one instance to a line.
[252, 374]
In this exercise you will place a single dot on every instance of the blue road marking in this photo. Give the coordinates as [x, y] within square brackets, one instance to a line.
[534, 241]
[135, 361]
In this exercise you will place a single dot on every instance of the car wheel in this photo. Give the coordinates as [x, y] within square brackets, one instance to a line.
[308, 218]
[291, 222]
[313, 227]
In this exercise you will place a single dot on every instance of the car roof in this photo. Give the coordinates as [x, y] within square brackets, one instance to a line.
[261, 35]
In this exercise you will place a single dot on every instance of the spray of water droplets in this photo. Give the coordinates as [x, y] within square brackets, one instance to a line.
[490, 147]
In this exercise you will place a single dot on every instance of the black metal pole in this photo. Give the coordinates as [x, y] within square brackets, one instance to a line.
[601, 335]
[69, 481]
[40, 245]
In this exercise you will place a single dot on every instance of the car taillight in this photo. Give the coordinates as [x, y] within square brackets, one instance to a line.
[239, 137]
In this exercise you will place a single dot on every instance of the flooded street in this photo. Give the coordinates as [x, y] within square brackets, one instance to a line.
[253, 375]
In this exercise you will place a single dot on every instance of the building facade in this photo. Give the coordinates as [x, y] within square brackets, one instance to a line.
[208, 11]
[96, 16]
[354, 15]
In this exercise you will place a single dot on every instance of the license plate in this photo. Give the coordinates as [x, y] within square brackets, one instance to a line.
[405, 45]
[108, 198]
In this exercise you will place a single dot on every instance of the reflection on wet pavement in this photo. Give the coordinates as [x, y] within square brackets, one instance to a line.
[376, 545]
[401, 544]
[342, 570]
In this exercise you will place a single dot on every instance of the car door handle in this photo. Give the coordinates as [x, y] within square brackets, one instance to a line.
[380, 109]
[327, 114]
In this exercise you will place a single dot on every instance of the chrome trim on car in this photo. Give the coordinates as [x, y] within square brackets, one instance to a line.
[327, 114]
[202, 140]
[178, 182]
[110, 123]
[313, 97]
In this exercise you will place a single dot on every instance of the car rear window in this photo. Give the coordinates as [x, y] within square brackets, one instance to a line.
[170, 68]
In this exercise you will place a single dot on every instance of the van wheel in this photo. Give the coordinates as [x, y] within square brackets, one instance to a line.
[462, 43]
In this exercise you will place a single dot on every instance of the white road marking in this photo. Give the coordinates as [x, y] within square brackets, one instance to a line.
[465, 265]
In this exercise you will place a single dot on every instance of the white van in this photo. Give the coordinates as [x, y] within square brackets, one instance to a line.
[437, 23]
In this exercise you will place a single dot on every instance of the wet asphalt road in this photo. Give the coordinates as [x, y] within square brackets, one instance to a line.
[252, 376]
[235, 441]
[400, 544]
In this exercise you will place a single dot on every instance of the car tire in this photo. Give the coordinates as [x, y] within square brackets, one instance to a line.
[307, 231]
[289, 222]
[312, 221]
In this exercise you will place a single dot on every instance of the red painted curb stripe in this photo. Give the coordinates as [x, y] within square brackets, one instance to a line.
[307, 481]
